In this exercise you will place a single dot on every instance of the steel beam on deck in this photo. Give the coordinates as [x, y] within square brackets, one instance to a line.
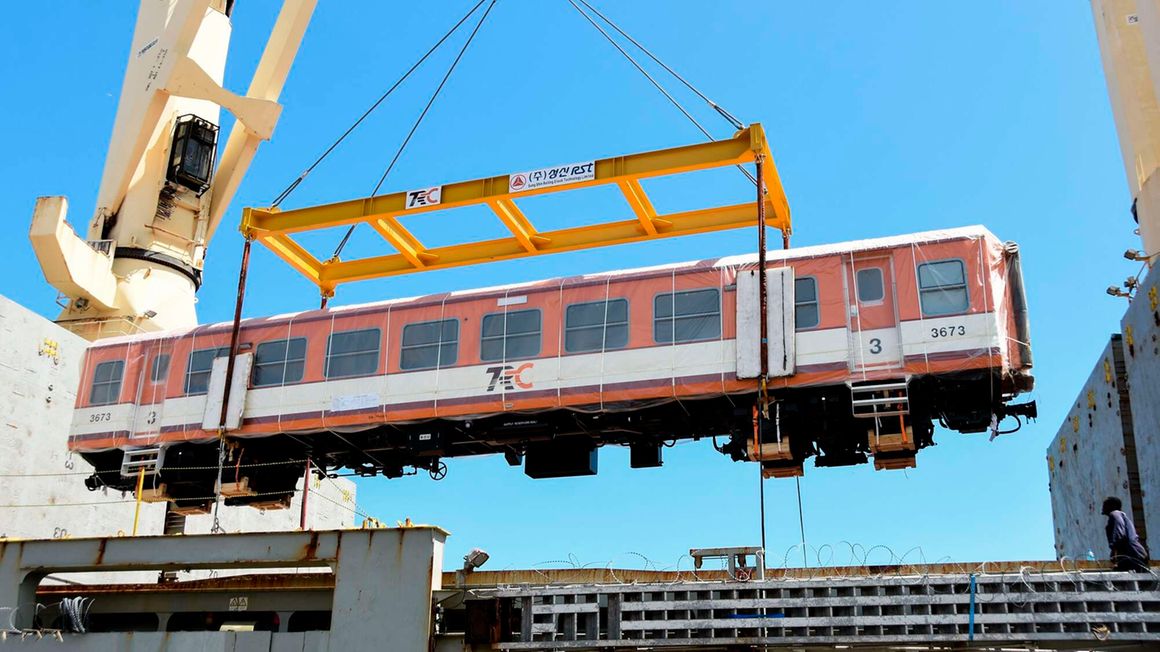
[274, 227]
[383, 578]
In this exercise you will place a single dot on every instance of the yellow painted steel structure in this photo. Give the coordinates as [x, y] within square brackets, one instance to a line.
[273, 227]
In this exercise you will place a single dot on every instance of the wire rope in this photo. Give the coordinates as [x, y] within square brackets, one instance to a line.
[737, 124]
[294, 184]
[672, 100]
[418, 121]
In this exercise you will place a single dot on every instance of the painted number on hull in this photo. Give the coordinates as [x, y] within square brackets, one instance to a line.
[948, 331]
[98, 417]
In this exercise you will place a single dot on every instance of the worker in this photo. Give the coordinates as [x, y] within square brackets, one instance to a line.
[1127, 550]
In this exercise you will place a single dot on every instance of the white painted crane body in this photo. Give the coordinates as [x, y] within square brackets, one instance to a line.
[139, 264]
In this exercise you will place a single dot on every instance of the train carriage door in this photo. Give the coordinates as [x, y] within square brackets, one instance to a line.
[152, 391]
[872, 309]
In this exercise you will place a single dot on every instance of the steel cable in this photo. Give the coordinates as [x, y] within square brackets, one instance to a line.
[672, 100]
[737, 124]
[294, 184]
[418, 121]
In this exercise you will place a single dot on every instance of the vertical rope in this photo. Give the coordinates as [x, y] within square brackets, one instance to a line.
[503, 349]
[673, 330]
[439, 351]
[285, 367]
[142, 378]
[116, 399]
[761, 493]
[604, 338]
[326, 364]
[227, 389]
[386, 391]
[160, 390]
[921, 315]
[801, 520]
[987, 305]
[762, 286]
[725, 363]
[562, 334]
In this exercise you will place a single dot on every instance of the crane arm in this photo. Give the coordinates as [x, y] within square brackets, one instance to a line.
[159, 201]
[269, 78]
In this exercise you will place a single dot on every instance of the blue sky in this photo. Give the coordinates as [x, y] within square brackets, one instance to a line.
[884, 118]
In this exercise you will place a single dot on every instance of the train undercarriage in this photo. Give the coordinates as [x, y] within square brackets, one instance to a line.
[837, 425]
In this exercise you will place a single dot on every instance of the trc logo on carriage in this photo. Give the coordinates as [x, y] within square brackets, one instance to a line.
[509, 377]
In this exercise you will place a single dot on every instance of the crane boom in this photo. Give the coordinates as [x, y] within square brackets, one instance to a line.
[159, 202]
[1129, 38]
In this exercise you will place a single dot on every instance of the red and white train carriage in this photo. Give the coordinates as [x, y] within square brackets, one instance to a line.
[869, 343]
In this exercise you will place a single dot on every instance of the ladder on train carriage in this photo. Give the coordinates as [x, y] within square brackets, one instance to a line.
[869, 400]
[885, 406]
[142, 460]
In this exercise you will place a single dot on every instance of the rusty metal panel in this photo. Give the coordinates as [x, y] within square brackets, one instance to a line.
[1141, 328]
[1088, 460]
[383, 588]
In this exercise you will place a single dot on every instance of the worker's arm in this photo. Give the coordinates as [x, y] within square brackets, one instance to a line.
[1117, 532]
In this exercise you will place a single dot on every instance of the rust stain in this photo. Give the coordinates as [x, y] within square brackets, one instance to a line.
[101, 551]
[311, 549]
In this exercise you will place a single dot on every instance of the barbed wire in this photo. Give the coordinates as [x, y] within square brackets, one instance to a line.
[860, 567]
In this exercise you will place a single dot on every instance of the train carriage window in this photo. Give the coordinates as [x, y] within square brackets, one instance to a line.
[200, 366]
[870, 286]
[510, 335]
[942, 287]
[430, 344]
[107, 382]
[687, 316]
[352, 353]
[805, 303]
[279, 362]
[596, 326]
[159, 370]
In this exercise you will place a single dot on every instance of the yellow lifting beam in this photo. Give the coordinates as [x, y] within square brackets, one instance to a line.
[273, 227]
